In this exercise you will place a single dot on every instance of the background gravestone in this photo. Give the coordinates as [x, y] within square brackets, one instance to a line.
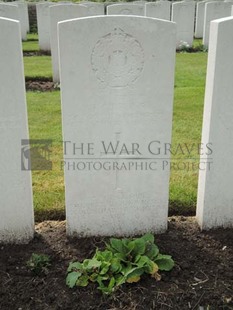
[214, 10]
[59, 13]
[215, 195]
[200, 13]
[12, 12]
[158, 9]
[23, 11]
[124, 94]
[94, 8]
[43, 25]
[16, 209]
[126, 9]
[183, 15]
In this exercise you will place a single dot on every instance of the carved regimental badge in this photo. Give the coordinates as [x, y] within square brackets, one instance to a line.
[117, 59]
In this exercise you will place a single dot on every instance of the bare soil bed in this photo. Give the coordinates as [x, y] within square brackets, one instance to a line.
[41, 85]
[201, 279]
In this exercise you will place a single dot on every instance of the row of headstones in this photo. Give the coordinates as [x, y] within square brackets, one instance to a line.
[48, 15]
[17, 10]
[117, 83]
[182, 13]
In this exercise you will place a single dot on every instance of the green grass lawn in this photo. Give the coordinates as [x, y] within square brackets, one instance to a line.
[37, 67]
[44, 112]
[32, 43]
[187, 124]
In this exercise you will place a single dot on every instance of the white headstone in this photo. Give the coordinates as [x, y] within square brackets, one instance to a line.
[23, 11]
[12, 11]
[183, 15]
[16, 208]
[214, 10]
[215, 195]
[59, 13]
[94, 8]
[126, 9]
[43, 25]
[158, 9]
[118, 87]
[199, 25]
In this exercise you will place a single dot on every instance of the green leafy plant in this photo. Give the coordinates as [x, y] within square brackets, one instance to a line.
[39, 263]
[123, 260]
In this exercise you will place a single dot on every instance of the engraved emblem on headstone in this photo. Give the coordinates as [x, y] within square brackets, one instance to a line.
[117, 59]
[126, 12]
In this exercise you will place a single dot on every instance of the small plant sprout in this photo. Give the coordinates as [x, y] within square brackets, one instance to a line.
[122, 261]
[39, 263]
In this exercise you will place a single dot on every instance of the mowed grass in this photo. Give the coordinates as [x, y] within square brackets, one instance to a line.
[38, 67]
[32, 43]
[44, 110]
[187, 123]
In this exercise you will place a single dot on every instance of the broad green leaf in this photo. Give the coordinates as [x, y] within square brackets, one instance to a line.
[107, 255]
[91, 263]
[152, 251]
[93, 277]
[83, 281]
[75, 266]
[164, 262]
[72, 278]
[120, 279]
[126, 269]
[137, 259]
[105, 290]
[143, 261]
[148, 238]
[130, 246]
[111, 283]
[117, 245]
[104, 268]
[153, 268]
[116, 265]
[121, 257]
[102, 278]
[149, 265]
[98, 255]
[134, 272]
[126, 248]
[140, 247]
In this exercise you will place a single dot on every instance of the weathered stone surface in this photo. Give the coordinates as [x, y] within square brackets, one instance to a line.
[117, 89]
[158, 9]
[16, 209]
[199, 25]
[43, 25]
[126, 9]
[59, 13]
[215, 195]
[183, 15]
[214, 10]
[13, 12]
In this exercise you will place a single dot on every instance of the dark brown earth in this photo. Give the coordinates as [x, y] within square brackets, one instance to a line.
[201, 279]
[36, 53]
[37, 85]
